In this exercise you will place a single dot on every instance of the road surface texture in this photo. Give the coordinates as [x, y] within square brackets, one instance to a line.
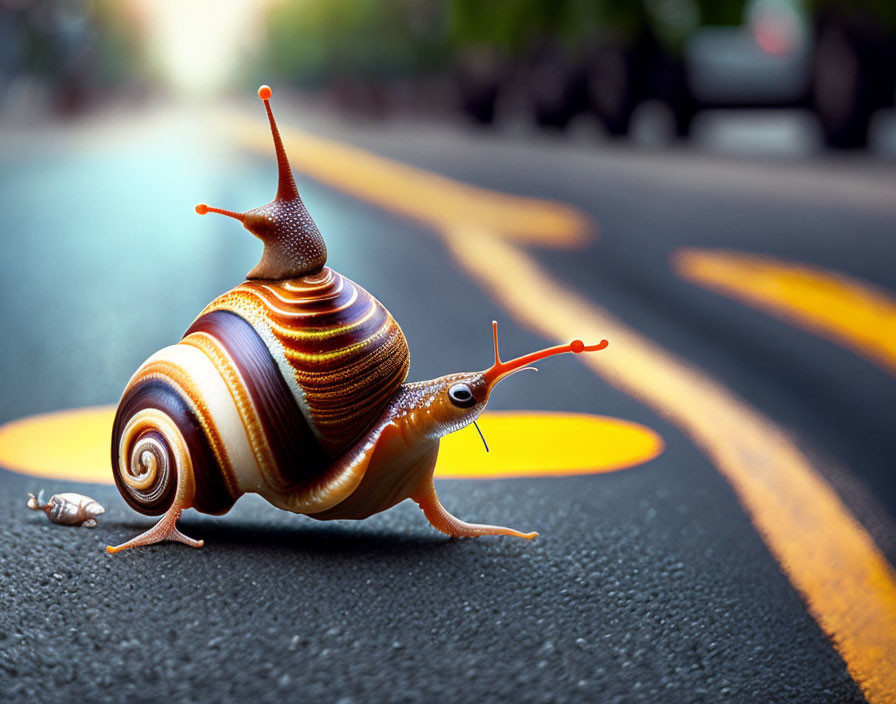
[651, 584]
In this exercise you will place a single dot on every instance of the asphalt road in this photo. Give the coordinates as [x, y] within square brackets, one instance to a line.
[649, 584]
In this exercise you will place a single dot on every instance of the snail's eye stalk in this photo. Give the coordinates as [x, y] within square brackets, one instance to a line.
[203, 209]
[293, 246]
[286, 184]
[500, 370]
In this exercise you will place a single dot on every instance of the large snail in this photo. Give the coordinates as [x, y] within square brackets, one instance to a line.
[292, 386]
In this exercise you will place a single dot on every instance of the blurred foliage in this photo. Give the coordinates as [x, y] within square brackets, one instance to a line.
[312, 40]
[118, 45]
[511, 25]
[516, 24]
[879, 11]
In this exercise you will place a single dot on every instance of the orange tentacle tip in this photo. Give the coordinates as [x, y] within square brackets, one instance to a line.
[202, 208]
[265, 92]
[577, 346]
[501, 370]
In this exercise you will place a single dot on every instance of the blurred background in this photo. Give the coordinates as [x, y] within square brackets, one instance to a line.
[648, 69]
[709, 184]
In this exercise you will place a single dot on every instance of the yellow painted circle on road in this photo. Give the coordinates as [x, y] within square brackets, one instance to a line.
[74, 445]
[538, 444]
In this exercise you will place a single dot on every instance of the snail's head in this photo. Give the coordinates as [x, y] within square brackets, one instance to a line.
[293, 246]
[454, 401]
[36, 503]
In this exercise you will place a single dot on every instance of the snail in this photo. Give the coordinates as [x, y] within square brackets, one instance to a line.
[68, 509]
[292, 386]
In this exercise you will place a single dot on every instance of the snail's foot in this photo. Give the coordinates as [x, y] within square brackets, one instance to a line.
[165, 529]
[89, 523]
[444, 522]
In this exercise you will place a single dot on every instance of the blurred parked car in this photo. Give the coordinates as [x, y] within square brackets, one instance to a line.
[836, 57]
[841, 63]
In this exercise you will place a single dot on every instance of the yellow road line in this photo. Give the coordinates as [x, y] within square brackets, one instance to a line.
[845, 310]
[422, 195]
[523, 444]
[826, 553]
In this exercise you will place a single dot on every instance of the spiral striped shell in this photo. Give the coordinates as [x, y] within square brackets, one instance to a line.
[272, 382]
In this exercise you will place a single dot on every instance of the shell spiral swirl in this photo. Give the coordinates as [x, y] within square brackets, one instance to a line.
[147, 462]
[161, 430]
[269, 386]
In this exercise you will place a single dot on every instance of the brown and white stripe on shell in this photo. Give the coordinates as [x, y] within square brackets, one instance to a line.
[338, 348]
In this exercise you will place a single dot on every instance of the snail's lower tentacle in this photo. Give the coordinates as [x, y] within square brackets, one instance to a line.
[444, 522]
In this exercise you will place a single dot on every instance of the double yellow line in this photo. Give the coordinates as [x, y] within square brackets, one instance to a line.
[828, 556]
[847, 311]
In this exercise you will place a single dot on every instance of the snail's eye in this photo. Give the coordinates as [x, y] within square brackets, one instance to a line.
[461, 396]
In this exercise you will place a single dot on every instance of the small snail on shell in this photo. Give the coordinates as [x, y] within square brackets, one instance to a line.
[292, 386]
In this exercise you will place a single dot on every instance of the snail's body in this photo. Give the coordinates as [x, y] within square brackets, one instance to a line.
[292, 386]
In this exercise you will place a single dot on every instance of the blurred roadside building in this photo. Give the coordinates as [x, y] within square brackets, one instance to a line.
[59, 55]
